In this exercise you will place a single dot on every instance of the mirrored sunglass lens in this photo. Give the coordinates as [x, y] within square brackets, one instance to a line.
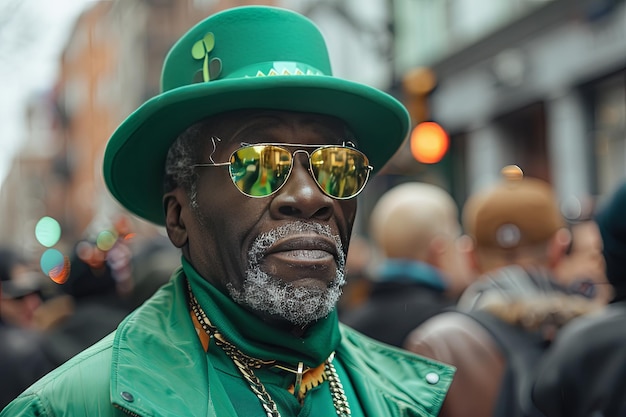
[260, 170]
[341, 172]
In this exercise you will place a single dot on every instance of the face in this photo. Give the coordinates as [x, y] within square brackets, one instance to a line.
[20, 311]
[584, 264]
[281, 256]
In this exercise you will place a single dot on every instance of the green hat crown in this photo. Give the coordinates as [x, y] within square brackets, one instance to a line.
[261, 42]
[251, 57]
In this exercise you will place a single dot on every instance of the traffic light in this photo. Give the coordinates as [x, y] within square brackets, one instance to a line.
[429, 142]
[417, 84]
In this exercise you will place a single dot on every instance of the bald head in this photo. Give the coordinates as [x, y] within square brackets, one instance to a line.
[408, 217]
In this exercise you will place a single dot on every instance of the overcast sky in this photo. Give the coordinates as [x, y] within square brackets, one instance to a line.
[32, 35]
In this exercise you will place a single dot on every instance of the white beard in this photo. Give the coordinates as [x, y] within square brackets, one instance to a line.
[297, 305]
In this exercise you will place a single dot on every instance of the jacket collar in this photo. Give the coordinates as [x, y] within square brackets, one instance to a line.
[155, 351]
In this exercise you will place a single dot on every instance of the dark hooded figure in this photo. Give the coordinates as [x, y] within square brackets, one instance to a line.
[584, 374]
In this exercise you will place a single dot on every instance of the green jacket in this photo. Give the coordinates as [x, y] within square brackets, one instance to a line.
[154, 365]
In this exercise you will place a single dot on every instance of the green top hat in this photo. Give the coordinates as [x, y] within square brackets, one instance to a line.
[242, 58]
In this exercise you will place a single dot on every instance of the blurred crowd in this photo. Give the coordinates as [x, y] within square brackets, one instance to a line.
[478, 287]
[526, 301]
[44, 323]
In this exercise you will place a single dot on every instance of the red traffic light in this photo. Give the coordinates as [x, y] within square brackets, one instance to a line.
[429, 142]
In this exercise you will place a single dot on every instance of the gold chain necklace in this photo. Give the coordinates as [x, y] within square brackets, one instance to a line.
[246, 364]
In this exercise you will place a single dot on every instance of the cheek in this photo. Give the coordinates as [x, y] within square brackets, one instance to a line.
[216, 193]
[228, 216]
[347, 214]
[218, 243]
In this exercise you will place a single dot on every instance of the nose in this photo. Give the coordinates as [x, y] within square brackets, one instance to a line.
[300, 196]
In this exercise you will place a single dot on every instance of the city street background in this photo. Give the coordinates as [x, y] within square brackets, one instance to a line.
[32, 36]
[536, 83]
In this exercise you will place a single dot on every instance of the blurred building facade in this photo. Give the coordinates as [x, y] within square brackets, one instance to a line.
[110, 64]
[28, 190]
[537, 83]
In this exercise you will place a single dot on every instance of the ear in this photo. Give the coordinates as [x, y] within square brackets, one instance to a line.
[174, 222]
[558, 247]
[436, 250]
[467, 248]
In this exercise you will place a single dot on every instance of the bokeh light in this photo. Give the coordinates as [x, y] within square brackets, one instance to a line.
[106, 240]
[48, 231]
[429, 142]
[55, 265]
[84, 250]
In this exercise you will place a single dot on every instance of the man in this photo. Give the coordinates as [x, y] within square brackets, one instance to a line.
[519, 237]
[22, 358]
[584, 373]
[257, 143]
[416, 227]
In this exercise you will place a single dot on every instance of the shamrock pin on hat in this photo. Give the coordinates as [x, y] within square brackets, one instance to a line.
[251, 57]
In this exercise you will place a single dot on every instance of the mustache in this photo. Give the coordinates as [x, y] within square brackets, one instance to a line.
[266, 240]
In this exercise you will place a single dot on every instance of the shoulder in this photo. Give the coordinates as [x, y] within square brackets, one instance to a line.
[455, 338]
[91, 366]
[365, 348]
[579, 372]
[587, 340]
[394, 375]
[449, 335]
[85, 379]
[594, 331]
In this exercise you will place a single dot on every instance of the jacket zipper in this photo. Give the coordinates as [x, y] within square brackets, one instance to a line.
[126, 411]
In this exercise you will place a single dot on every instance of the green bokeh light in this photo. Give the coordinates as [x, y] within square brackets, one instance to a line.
[48, 231]
[55, 265]
[106, 240]
[50, 260]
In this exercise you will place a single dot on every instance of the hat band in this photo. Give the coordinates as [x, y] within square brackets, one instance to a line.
[272, 68]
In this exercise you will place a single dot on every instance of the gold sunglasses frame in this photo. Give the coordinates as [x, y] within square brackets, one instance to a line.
[346, 144]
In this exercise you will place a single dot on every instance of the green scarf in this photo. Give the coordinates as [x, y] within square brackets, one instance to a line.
[257, 338]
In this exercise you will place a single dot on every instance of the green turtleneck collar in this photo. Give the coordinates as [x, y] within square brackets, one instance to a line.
[257, 338]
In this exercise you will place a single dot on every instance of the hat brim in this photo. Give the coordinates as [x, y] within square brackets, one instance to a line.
[134, 161]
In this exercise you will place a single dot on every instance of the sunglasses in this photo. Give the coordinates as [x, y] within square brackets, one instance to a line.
[261, 169]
